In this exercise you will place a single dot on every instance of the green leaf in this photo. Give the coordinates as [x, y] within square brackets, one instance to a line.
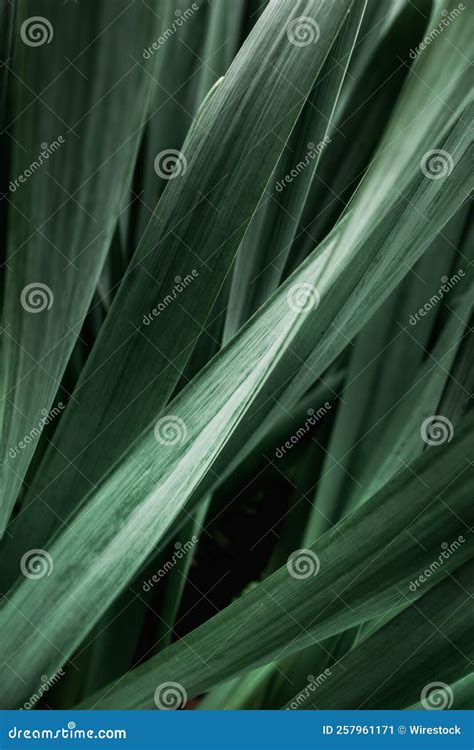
[192, 237]
[428, 643]
[63, 211]
[267, 243]
[145, 495]
[365, 563]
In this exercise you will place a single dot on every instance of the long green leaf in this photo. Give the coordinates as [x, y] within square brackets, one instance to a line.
[63, 206]
[365, 563]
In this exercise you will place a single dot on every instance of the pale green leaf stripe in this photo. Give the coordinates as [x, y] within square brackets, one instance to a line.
[430, 641]
[63, 206]
[366, 565]
[198, 225]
